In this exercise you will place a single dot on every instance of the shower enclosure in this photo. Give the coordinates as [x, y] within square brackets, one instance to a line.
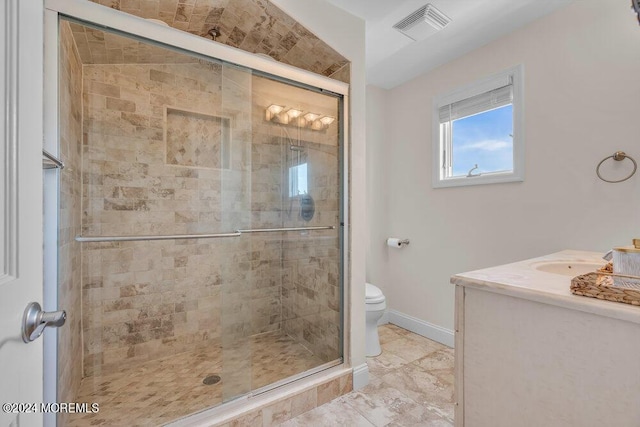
[199, 227]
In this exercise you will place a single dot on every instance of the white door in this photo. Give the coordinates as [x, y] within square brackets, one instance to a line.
[21, 131]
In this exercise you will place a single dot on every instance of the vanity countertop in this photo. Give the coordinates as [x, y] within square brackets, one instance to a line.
[523, 280]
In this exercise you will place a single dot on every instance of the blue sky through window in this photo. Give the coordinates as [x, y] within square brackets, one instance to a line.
[483, 139]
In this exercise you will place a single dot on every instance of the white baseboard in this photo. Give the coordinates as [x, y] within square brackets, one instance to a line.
[360, 376]
[420, 327]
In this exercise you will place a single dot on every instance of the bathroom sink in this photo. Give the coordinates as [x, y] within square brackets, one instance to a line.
[568, 268]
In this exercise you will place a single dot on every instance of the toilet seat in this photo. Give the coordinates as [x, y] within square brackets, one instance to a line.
[373, 294]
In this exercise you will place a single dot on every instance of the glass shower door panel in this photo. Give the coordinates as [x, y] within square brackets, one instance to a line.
[295, 183]
[236, 290]
[160, 142]
[148, 143]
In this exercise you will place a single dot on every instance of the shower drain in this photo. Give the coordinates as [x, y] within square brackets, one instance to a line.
[211, 379]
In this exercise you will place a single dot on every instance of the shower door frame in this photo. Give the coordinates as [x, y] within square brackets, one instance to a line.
[96, 14]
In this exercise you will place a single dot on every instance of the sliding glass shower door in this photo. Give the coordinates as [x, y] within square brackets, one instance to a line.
[199, 235]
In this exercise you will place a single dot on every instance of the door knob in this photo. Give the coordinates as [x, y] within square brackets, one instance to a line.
[35, 320]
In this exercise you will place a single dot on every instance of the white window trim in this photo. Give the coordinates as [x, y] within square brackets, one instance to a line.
[467, 91]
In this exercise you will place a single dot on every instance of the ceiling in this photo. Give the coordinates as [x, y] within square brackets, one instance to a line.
[393, 59]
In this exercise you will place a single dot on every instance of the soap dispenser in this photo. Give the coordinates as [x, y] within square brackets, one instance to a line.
[626, 259]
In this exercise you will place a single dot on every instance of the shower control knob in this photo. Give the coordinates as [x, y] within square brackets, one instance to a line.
[35, 321]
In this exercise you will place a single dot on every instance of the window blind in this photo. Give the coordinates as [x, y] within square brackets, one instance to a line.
[490, 100]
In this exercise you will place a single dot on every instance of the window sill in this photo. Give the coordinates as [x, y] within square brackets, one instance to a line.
[477, 180]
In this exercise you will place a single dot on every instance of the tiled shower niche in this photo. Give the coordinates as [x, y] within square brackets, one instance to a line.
[197, 139]
[185, 147]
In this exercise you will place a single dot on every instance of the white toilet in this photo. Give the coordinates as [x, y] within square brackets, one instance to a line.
[376, 305]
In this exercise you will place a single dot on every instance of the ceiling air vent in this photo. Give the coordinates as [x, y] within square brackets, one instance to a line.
[422, 23]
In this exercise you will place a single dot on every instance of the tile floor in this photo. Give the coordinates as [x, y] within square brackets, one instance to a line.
[163, 390]
[411, 384]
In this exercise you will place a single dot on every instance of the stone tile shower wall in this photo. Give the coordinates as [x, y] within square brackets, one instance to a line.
[311, 283]
[144, 300]
[69, 252]
[182, 148]
[256, 26]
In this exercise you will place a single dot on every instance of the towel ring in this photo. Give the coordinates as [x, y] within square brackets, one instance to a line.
[618, 156]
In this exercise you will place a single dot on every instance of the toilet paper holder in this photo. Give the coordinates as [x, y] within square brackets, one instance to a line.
[395, 242]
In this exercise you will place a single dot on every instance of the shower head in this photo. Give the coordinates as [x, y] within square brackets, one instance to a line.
[214, 33]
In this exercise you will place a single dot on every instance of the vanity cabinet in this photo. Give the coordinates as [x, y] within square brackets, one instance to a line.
[529, 353]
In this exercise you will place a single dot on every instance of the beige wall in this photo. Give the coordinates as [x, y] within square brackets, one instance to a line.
[377, 187]
[582, 97]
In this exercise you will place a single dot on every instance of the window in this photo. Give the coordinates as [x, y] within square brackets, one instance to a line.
[478, 132]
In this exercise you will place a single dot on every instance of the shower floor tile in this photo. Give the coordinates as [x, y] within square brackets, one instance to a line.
[165, 389]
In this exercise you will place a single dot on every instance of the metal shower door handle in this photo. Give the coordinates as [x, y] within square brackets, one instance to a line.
[35, 321]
